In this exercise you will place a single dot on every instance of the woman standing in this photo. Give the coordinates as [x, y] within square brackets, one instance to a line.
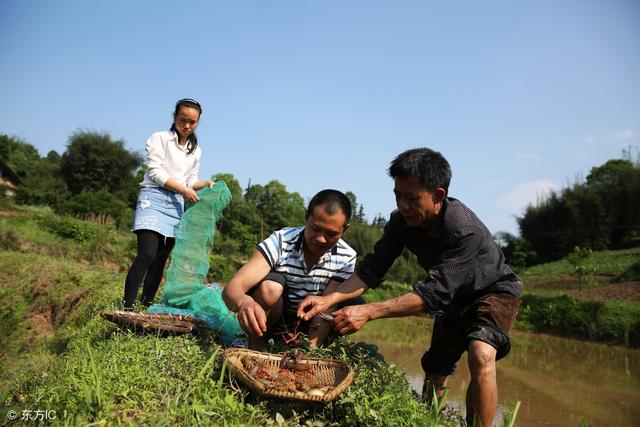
[173, 161]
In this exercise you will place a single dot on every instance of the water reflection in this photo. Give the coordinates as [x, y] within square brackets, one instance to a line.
[559, 381]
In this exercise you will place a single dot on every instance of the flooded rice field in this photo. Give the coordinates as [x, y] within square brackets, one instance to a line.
[560, 382]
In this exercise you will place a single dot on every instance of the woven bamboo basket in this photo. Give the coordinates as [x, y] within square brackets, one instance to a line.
[331, 374]
[173, 323]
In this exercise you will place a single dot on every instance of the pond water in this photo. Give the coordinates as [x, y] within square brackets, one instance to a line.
[560, 382]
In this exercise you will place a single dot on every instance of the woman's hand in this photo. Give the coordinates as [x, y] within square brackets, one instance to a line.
[203, 183]
[190, 195]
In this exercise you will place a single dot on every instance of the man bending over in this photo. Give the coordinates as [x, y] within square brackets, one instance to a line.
[470, 289]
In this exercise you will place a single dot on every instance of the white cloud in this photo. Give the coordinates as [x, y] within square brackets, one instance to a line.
[527, 193]
[624, 135]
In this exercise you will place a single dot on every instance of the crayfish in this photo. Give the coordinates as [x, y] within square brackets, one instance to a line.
[291, 360]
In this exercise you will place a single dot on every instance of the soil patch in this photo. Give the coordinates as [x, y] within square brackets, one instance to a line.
[48, 318]
[7, 214]
[627, 291]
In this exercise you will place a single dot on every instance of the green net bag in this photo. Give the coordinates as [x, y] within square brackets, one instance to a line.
[186, 291]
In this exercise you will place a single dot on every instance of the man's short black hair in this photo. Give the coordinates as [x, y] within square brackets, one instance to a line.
[332, 200]
[428, 165]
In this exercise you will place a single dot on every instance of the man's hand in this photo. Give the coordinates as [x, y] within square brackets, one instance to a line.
[314, 305]
[351, 319]
[252, 318]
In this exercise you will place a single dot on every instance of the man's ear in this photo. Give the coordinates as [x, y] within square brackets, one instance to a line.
[346, 227]
[439, 194]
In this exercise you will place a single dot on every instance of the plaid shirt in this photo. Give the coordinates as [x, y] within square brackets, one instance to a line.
[461, 259]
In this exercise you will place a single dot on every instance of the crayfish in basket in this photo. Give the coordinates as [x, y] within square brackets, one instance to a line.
[289, 374]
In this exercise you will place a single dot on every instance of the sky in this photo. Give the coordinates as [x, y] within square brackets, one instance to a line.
[520, 97]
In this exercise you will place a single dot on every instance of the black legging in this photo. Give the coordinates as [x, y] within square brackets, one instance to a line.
[153, 251]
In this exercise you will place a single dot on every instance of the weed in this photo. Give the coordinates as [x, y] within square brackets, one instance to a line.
[10, 240]
[510, 415]
[583, 266]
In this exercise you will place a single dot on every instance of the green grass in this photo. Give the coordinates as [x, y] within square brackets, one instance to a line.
[104, 375]
[609, 264]
[38, 230]
[386, 290]
[57, 353]
[42, 300]
[616, 322]
[549, 306]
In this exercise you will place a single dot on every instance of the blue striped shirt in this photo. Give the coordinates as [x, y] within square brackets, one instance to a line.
[284, 252]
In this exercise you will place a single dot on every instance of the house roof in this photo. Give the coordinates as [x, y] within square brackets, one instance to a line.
[8, 174]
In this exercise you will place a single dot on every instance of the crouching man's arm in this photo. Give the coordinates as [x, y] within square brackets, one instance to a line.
[251, 315]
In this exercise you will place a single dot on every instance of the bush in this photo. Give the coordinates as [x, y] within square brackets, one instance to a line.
[71, 228]
[609, 321]
[97, 242]
[98, 203]
[631, 273]
[222, 268]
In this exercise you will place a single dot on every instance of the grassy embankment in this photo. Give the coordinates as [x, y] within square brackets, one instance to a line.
[57, 274]
[556, 301]
[607, 309]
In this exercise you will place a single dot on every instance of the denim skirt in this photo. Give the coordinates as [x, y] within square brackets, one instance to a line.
[158, 209]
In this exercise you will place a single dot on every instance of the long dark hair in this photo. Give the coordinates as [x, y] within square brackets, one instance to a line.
[192, 141]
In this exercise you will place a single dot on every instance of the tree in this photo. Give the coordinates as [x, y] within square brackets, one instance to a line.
[352, 198]
[597, 214]
[406, 269]
[93, 161]
[44, 186]
[379, 222]
[22, 157]
[617, 185]
[53, 157]
[240, 225]
[361, 237]
[276, 206]
[517, 251]
[42, 183]
[357, 210]
[611, 174]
